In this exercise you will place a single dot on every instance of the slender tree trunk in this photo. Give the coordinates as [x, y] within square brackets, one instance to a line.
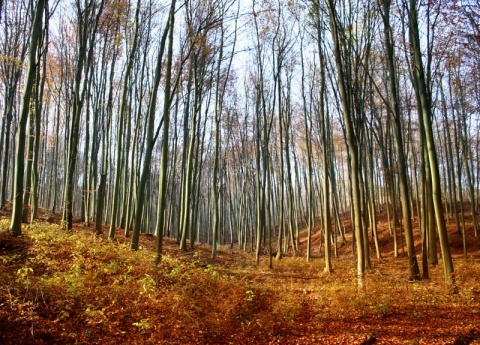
[308, 134]
[121, 120]
[149, 141]
[28, 168]
[399, 148]
[159, 228]
[327, 223]
[216, 154]
[188, 182]
[38, 114]
[352, 145]
[16, 223]
[85, 212]
[86, 35]
[426, 113]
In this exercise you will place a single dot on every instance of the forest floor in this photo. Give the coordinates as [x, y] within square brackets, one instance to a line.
[78, 288]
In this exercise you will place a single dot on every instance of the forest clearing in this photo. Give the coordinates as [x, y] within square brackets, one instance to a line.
[81, 288]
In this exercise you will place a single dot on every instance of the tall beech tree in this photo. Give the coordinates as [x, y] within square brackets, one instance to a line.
[38, 110]
[166, 127]
[88, 17]
[399, 147]
[221, 83]
[324, 127]
[425, 112]
[121, 121]
[14, 48]
[16, 223]
[352, 140]
[151, 136]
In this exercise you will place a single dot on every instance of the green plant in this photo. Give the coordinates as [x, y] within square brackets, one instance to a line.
[112, 267]
[250, 296]
[95, 316]
[24, 275]
[143, 325]
[148, 284]
[212, 271]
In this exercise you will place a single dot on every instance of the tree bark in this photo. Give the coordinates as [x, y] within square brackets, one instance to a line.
[123, 108]
[425, 110]
[399, 148]
[16, 223]
[352, 145]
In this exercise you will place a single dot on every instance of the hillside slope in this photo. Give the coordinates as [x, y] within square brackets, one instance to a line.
[78, 288]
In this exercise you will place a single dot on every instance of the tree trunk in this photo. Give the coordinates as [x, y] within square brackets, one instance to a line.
[16, 223]
[86, 35]
[149, 141]
[401, 164]
[121, 120]
[352, 146]
[425, 110]
[38, 114]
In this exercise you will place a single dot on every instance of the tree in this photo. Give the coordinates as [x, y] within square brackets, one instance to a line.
[1, 10]
[150, 136]
[16, 223]
[166, 124]
[352, 142]
[425, 115]
[401, 165]
[201, 17]
[15, 44]
[39, 89]
[121, 120]
[220, 88]
[88, 17]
